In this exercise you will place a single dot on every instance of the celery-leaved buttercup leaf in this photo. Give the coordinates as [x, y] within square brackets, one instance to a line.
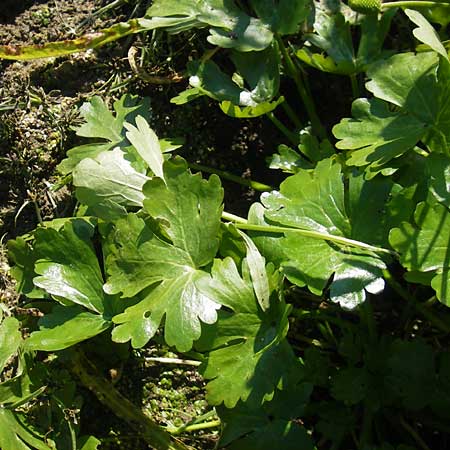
[425, 245]
[439, 172]
[66, 326]
[229, 26]
[67, 265]
[419, 87]
[188, 210]
[10, 340]
[260, 73]
[104, 126]
[108, 184]
[315, 201]
[248, 357]
[330, 48]
[283, 16]
[271, 426]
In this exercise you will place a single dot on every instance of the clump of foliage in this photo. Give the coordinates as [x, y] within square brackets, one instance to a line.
[350, 253]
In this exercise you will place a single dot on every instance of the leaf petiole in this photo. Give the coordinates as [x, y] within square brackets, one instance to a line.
[313, 234]
[229, 176]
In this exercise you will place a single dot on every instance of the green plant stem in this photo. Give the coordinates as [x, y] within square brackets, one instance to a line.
[420, 308]
[413, 433]
[229, 176]
[151, 432]
[194, 427]
[292, 115]
[412, 4]
[355, 86]
[366, 430]
[293, 72]
[315, 235]
[293, 139]
[233, 218]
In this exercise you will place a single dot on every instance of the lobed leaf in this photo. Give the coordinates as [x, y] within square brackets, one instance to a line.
[424, 245]
[248, 356]
[315, 201]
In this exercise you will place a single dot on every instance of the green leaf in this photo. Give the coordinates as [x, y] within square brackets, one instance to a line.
[408, 81]
[89, 443]
[231, 27]
[67, 266]
[14, 435]
[272, 426]
[424, 245]
[146, 144]
[10, 340]
[248, 356]
[187, 96]
[439, 172]
[249, 112]
[101, 123]
[108, 184]
[139, 260]
[283, 16]
[20, 252]
[377, 135]
[315, 201]
[419, 89]
[258, 274]
[190, 209]
[64, 327]
[426, 33]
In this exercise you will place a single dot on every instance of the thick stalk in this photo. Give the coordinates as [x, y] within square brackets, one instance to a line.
[412, 4]
[293, 72]
[148, 430]
[229, 176]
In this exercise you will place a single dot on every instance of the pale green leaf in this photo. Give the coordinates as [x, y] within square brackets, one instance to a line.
[10, 340]
[101, 123]
[249, 112]
[146, 144]
[426, 33]
[424, 245]
[230, 27]
[248, 356]
[257, 269]
[65, 326]
[67, 266]
[89, 443]
[108, 184]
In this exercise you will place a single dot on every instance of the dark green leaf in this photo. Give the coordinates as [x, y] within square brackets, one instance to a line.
[424, 245]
